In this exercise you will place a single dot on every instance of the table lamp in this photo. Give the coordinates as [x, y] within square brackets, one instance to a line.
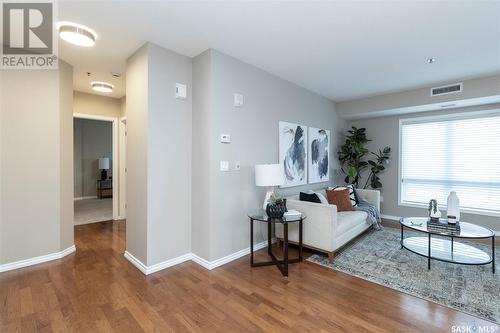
[269, 175]
[104, 166]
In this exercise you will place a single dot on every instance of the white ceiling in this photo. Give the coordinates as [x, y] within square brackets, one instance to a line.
[341, 50]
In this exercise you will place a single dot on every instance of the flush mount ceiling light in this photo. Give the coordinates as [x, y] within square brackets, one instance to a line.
[431, 60]
[102, 87]
[77, 34]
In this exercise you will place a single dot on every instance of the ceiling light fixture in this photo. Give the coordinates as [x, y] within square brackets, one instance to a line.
[77, 34]
[431, 60]
[102, 87]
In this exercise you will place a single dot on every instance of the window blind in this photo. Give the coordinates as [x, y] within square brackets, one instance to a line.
[444, 155]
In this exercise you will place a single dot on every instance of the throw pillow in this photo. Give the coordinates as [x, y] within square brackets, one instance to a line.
[322, 198]
[311, 197]
[340, 198]
[352, 193]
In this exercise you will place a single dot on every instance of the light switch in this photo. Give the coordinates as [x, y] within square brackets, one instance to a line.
[238, 100]
[180, 91]
[237, 165]
[224, 165]
[225, 138]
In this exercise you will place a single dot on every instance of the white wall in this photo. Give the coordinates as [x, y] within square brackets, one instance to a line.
[385, 132]
[36, 189]
[254, 134]
[96, 105]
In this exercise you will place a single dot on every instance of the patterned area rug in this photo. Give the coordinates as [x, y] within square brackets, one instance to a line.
[377, 257]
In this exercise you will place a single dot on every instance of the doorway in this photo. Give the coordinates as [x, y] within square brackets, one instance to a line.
[96, 169]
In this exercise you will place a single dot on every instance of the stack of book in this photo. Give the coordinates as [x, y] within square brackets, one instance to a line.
[443, 226]
[292, 214]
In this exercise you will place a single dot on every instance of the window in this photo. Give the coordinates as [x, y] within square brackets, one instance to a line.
[461, 154]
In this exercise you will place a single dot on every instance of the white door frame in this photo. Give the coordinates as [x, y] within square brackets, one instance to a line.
[122, 134]
[116, 161]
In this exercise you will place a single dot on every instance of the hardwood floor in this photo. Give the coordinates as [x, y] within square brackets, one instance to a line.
[98, 290]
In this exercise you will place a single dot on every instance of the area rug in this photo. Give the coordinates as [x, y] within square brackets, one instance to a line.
[377, 257]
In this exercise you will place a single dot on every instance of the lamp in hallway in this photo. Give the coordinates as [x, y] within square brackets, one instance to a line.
[104, 166]
[269, 175]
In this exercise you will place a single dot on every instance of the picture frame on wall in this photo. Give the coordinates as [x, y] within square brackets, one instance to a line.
[318, 159]
[293, 153]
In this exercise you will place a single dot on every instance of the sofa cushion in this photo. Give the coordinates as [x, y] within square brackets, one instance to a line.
[349, 220]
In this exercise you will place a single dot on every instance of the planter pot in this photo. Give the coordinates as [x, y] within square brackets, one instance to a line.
[276, 211]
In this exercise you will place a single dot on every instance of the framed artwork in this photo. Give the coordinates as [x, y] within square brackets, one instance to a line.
[318, 161]
[293, 153]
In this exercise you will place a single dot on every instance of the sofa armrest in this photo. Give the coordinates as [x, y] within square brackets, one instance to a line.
[370, 196]
[319, 226]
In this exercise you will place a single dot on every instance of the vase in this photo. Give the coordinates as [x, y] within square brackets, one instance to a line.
[453, 208]
[276, 211]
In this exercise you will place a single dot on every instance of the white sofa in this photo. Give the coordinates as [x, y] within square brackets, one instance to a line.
[325, 229]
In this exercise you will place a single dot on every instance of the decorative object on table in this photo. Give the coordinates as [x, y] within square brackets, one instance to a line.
[276, 207]
[453, 208]
[352, 157]
[292, 214]
[352, 192]
[104, 167]
[282, 265]
[293, 153]
[340, 198]
[269, 175]
[443, 225]
[318, 158]
[377, 257]
[434, 212]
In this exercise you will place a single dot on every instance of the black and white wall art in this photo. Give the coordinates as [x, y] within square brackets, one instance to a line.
[293, 153]
[319, 155]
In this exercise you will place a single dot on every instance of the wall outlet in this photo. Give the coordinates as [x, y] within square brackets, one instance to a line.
[237, 165]
[238, 100]
[224, 165]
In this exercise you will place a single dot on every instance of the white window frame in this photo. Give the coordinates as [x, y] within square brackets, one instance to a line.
[429, 119]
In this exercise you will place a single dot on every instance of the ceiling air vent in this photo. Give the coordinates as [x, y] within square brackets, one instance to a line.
[448, 89]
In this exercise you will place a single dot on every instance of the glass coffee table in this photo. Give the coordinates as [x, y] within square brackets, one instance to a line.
[446, 248]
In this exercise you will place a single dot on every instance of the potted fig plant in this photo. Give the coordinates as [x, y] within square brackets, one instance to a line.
[434, 212]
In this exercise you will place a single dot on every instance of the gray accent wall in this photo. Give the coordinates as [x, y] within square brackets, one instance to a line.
[384, 131]
[92, 139]
[36, 162]
[221, 200]
[158, 155]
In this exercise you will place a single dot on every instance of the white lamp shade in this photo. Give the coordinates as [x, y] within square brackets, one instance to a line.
[104, 163]
[269, 175]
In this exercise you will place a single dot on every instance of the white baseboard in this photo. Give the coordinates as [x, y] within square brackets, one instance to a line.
[37, 260]
[224, 260]
[85, 198]
[390, 217]
[191, 256]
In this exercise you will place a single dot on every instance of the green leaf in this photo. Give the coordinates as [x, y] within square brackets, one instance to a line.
[352, 172]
